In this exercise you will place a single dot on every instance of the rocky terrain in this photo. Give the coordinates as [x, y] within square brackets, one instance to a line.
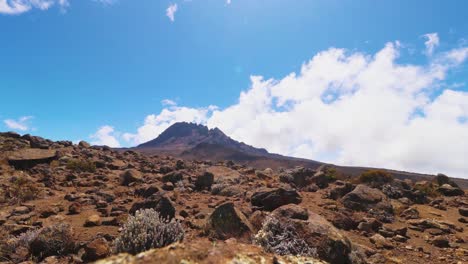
[74, 203]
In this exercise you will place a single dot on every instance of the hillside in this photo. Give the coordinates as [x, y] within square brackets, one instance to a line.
[67, 203]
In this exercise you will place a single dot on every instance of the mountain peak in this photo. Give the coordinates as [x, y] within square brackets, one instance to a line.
[183, 136]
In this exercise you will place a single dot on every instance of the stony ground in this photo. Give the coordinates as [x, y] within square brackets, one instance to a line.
[230, 213]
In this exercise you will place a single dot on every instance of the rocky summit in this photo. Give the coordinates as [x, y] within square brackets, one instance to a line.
[75, 203]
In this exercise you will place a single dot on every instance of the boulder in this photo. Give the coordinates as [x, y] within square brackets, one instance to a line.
[371, 200]
[381, 242]
[174, 177]
[204, 181]
[227, 221]
[410, 213]
[84, 144]
[37, 142]
[97, 249]
[93, 220]
[298, 176]
[463, 211]
[74, 208]
[440, 241]
[146, 191]
[130, 176]
[159, 203]
[292, 211]
[27, 158]
[316, 232]
[449, 190]
[270, 199]
[344, 220]
[339, 190]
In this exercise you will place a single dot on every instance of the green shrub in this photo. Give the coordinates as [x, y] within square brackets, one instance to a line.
[375, 178]
[81, 165]
[147, 230]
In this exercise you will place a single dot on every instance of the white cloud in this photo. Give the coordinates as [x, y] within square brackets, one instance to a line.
[228, 2]
[168, 102]
[170, 11]
[431, 43]
[348, 108]
[21, 124]
[15, 7]
[105, 136]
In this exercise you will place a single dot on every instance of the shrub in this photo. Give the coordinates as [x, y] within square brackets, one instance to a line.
[55, 240]
[21, 189]
[81, 165]
[427, 188]
[281, 237]
[16, 249]
[375, 178]
[147, 230]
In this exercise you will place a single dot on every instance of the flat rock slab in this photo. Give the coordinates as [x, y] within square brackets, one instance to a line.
[28, 158]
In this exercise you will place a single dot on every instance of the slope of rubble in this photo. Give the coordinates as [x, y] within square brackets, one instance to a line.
[67, 203]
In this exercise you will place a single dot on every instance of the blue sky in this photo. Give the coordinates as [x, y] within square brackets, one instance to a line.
[101, 70]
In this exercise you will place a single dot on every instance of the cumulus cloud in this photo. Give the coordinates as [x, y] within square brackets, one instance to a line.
[105, 136]
[348, 108]
[170, 11]
[21, 124]
[432, 41]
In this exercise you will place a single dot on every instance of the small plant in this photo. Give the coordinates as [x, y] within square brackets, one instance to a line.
[281, 237]
[81, 165]
[427, 188]
[21, 189]
[147, 230]
[375, 178]
[55, 240]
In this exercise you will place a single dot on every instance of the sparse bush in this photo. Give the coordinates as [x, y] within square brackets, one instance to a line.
[375, 178]
[331, 173]
[217, 188]
[55, 240]
[81, 165]
[147, 230]
[427, 188]
[281, 237]
[16, 249]
[21, 189]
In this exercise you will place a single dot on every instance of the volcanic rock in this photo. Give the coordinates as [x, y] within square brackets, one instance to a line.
[270, 199]
[227, 221]
[28, 158]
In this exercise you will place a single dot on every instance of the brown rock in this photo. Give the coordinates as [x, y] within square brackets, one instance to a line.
[93, 220]
[28, 158]
[130, 176]
[74, 208]
[227, 221]
[291, 211]
[96, 249]
[270, 199]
